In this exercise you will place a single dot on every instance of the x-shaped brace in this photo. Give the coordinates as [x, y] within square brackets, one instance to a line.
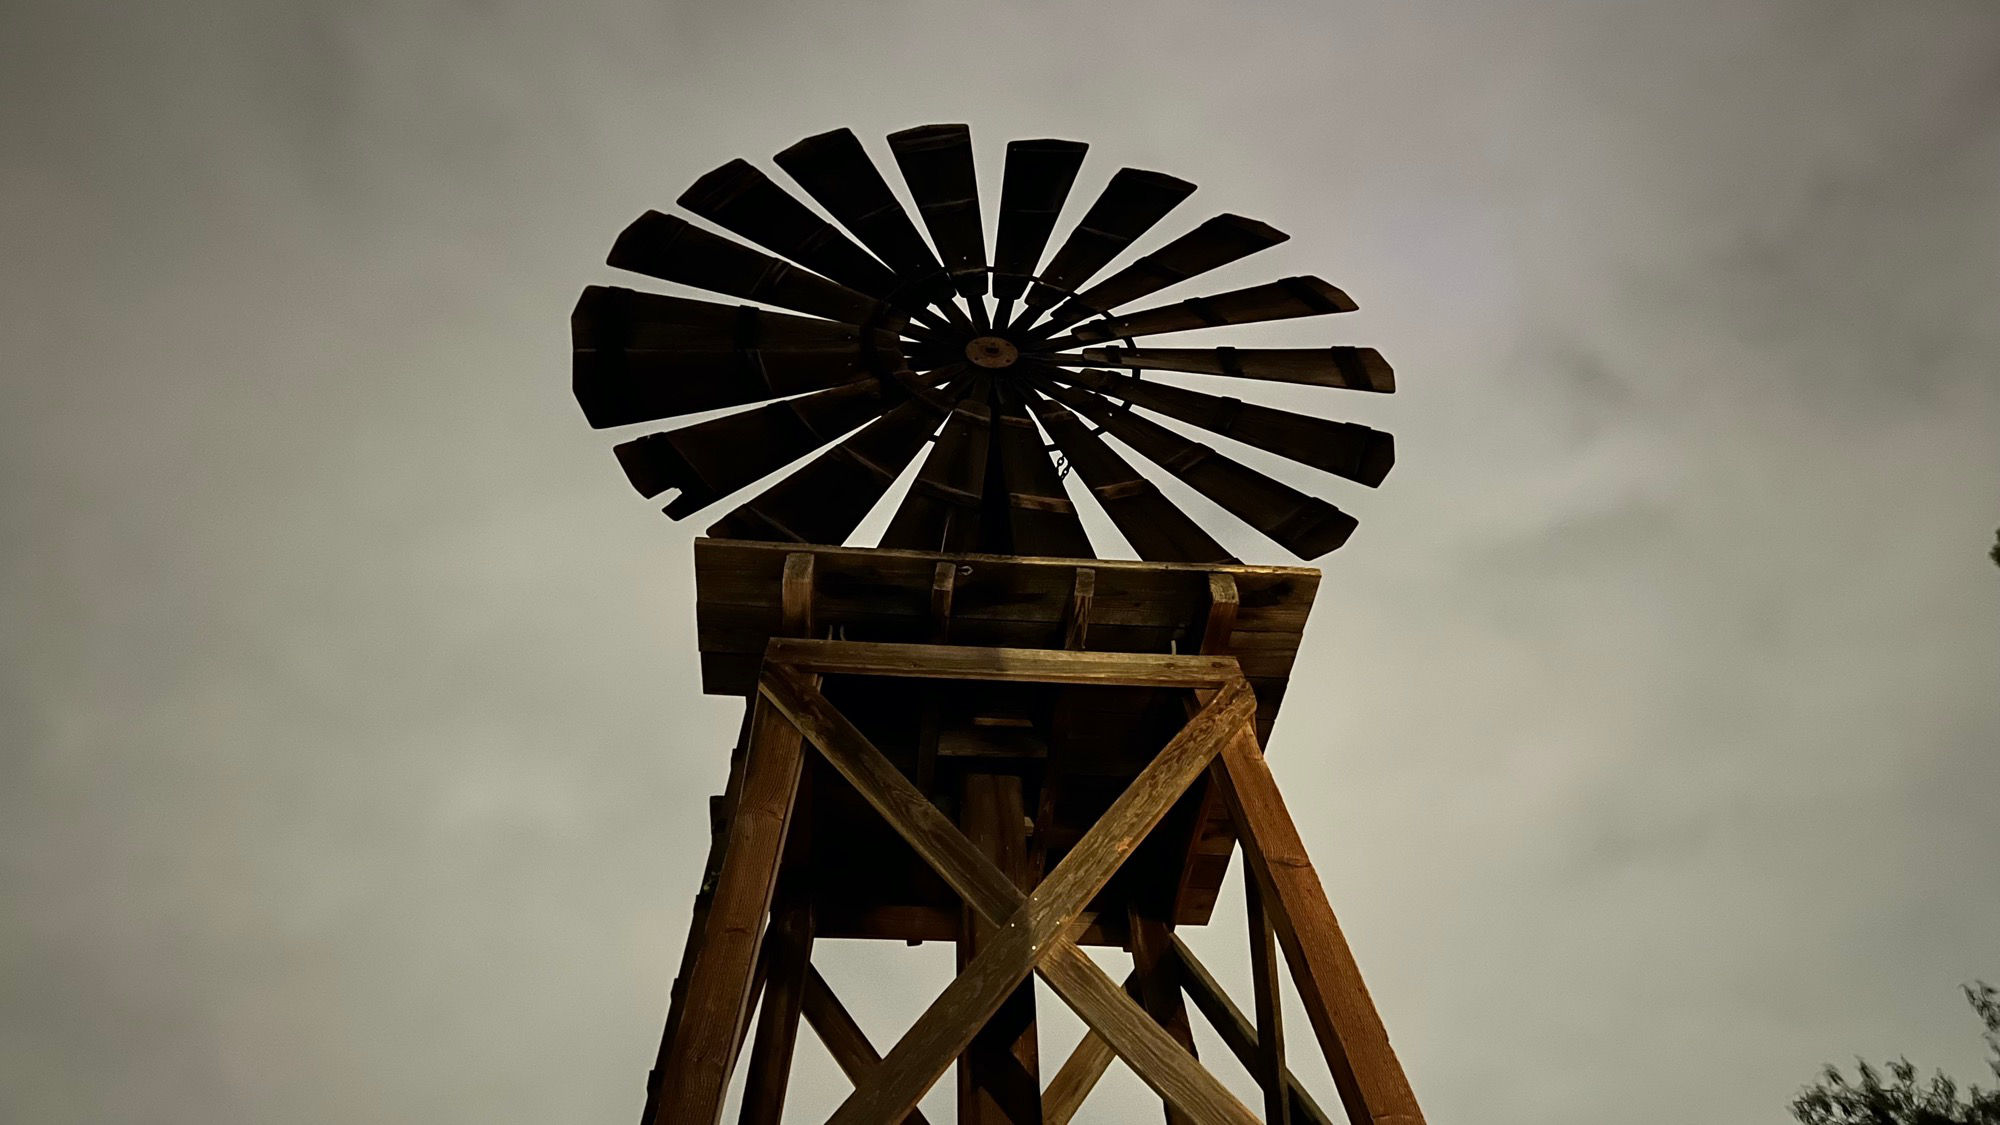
[1030, 931]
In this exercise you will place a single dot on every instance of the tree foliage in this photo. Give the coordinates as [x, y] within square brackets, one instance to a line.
[1900, 1097]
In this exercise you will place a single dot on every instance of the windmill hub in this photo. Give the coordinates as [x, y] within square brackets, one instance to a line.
[992, 352]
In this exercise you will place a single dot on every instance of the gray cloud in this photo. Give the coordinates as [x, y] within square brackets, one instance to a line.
[353, 747]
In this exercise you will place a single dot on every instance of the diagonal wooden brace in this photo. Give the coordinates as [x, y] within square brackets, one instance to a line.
[1030, 932]
[1365, 1070]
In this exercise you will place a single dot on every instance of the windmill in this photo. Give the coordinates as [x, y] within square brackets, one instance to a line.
[977, 731]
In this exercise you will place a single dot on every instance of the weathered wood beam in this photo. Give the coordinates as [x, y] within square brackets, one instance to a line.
[796, 595]
[845, 1041]
[1269, 1070]
[788, 951]
[1371, 1081]
[1009, 665]
[1077, 1077]
[1160, 987]
[709, 1032]
[1032, 936]
[1238, 1033]
[1076, 619]
[999, 1079]
[1223, 604]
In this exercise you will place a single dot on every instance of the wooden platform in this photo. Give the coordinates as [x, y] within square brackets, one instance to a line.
[1073, 746]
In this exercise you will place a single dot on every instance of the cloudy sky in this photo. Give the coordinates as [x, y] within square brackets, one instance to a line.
[352, 759]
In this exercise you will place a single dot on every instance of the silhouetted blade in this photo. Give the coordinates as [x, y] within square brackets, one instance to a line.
[709, 460]
[1038, 179]
[1041, 519]
[824, 501]
[1279, 300]
[741, 198]
[1156, 529]
[1354, 369]
[642, 356]
[1345, 449]
[835, 170]
[1132, 202]
[937, 165]
[1305, 525]
[1213, 244]
[673, 249]
[942, 511]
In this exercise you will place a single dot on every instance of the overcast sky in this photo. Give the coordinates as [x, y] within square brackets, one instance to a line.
[352, 757]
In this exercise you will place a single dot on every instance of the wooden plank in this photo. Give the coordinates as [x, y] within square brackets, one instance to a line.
[1277, 300]
[1160, 988]
[1219, 625]
[1365, 1069]
[1076, 622]
[943, 580]
[999, 1073]
[1214, 243]
[1078, 1076]
[706, 1040]
[1037, 926]
[1269, 1069]
[1237, 1033]
[843, 1037]
[1016, 665]
[877, 589]
[787, 954]
[796, 593]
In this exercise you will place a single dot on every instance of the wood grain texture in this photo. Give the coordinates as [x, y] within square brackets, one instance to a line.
[706, 1039]
[1237, 1033]
[787, 953]
[1005, 665]
[843, 1037]
[1077, 1077]
[1037, 929]
[1365, 1068]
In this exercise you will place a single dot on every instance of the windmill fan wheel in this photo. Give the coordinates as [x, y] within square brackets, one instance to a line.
[889, 342]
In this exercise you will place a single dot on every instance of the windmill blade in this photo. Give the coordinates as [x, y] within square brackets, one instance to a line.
[1305, 525]
[1213, 244]
[1132, 203]
[1354, 369]
[644, 356]
[835, 170]
[1345, 449]
[1280, 300]
[824, 501]
[1038, 179]
[1040, 517]
[739, 197]
[709, 460]
[943, 509]
[937, 166]
[1150, 522]
[673, 249]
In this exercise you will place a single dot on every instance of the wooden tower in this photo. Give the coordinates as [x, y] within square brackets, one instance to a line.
[977, 731]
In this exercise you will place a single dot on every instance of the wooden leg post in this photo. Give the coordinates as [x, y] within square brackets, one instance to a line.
[999, 1074]
[707, 1030]
[1365, 1069]
[1159, 976]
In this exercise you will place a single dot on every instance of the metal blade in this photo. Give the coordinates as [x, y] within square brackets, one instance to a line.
[739, 197]
[824, 501]
[673, 249]
[1279, 300]
[943, 509]
[1354, 369]
[1157, 529]
[835, 170]
[1345, 449]
[1040, 518]
[1038, 179]
[709, 460]
[937, 166]
[1305, 525]
[1213, 244]
[1132, 203]
[643, 356]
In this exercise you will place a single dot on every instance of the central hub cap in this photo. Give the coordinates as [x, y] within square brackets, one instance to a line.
[991, 351]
